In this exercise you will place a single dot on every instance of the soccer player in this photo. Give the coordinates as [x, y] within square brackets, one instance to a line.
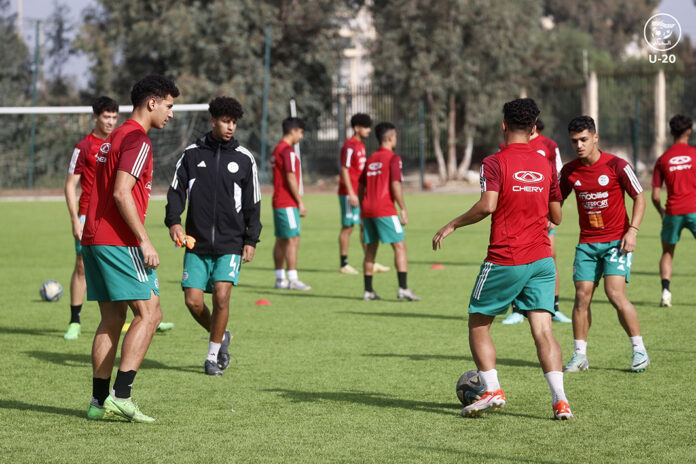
[220, 179]
[607, 237]
[379, 188]
[119, 258]
[288, 206]
[81, 171]
[675, 169]
[352, 164]
[520, 190]
[547, 148]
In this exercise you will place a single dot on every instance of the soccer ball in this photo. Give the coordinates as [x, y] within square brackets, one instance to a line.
[51, 290]
[469, 388]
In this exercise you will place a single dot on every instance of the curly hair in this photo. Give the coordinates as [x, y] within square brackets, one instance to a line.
[382, 130]
[520, 114]
[225, 106]
[154, 85]
[103, 104]
[361, 120]
[580, 124]
[540, 125]
[679, 124]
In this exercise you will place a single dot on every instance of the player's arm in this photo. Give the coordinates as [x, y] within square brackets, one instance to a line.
[555, 197]
[352, 196]
[294, 189]
[628, 242]
[251, 210]
[485, 206]
[71, 182]
[123, 196]
[176, 200]
[398, 195]
[657, 189]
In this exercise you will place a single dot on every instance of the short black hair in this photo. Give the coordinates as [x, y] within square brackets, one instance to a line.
[520, 114]
[580, 124]
[154, 85]
[540, 125]
[382, 129]
[225, 106]
[680, 124]
[292, 123]
[102, 104]
[361, 120]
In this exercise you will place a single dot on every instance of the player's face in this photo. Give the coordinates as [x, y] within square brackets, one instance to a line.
[297, 135]
[363, 132]
[224, 127]
[106, 122]
[161, 111]
[392, 139]
[584, 143]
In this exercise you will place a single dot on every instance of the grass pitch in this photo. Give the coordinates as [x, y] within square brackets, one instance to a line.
[325, 377]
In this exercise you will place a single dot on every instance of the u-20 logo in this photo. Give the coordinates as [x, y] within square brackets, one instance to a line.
[529, 177]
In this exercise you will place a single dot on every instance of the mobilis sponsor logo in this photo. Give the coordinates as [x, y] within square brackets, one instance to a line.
[594, 200]
[593, 195]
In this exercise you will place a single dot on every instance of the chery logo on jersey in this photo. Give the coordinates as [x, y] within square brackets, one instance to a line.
[105, 147]
[373, 169]
[679, 163]
[529, 177]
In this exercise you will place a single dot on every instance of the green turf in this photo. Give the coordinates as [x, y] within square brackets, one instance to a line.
[323, 376]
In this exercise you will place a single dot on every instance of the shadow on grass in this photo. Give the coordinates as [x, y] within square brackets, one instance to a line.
[366, 398]
[445, 263]
[448, 357]
[486, 457]
[416, 315]
[301, 270]
[73, 360]
[33, 331]
[45, 409]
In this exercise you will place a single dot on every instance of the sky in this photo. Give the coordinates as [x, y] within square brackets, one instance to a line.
[683, 10]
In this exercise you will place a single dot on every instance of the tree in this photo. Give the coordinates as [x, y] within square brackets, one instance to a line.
[15, 67]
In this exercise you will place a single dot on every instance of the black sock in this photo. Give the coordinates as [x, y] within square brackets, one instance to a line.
[555, 303]
[75, 313]
[665, 284]
[402, 279]
[368, 283]
[344, 260]
[124, 383]
[100, 389]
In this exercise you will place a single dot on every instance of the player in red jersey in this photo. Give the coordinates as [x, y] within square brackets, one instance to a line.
[675, 168]
[120, 260]
[520, 190]
[607, 237]
[81, 171]
[288, 206]
[549, 150]
[379, 188]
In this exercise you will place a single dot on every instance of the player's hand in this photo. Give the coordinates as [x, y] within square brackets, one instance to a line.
[77, 229]
[550, 226]
[303, 210]
[441, 234]
[628, 242]
[176, 232]
[150, 258]
[248, 253]
[354, 201]
[404, 217]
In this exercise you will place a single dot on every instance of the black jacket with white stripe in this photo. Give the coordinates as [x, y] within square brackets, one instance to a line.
[224, 197]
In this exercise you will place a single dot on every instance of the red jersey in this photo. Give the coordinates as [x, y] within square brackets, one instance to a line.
[82, 162]
[127, 149]
[526, 183]
[284, 160]
[599, 191]
[383, 167]
[352, 157]
[546, 148]
[675, 169]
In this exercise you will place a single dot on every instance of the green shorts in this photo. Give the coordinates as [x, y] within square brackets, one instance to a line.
[672, 227]
[117, 273]
[202, 271]
[286, 222]
[78, 245]
[350, 215]
[385, 229]
[530, 286]
[592, 260]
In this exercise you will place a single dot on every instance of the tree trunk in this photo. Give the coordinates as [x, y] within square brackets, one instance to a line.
[468, 151]
[435, 126]
[451, 138]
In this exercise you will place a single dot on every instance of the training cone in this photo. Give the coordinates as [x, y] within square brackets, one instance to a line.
[262, 302]
[437, 266]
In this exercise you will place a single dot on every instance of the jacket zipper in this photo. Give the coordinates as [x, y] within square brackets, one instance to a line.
[215, 189]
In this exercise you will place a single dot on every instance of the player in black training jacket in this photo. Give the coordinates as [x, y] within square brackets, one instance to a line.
[220, 180]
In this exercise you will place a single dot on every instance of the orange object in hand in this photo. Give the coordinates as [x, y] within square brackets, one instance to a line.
[189, 241]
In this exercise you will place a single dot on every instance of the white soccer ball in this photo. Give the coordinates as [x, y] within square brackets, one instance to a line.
[51, 290]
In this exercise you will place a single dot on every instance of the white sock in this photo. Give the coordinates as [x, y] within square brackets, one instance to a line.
[280, 274]
[213, 349]
[637, 343]
[555, 380]
[292, 274]
[490, 379]
[581, 347]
